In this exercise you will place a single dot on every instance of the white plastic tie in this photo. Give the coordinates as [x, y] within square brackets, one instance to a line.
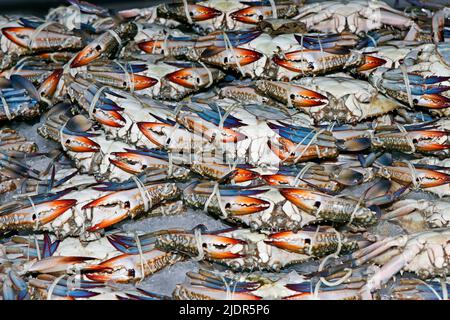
[94, 101]
[141, 255]
[229, 47]
[186, 12]
[302, 172]
[130, 83]
[407, 85]
[274, 9]
[210, 76]
[6, 108]
[146, 198]
[37, 31]
[199, 243]
[53, 286]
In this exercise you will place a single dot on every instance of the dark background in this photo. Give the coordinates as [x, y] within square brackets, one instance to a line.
[41, 6]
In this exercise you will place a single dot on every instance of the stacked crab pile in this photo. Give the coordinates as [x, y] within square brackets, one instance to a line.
[314, 136]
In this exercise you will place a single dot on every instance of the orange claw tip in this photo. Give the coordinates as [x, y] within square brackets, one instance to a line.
[277, 179]
[114, 119]
[85, 56]
[433, 101]
[202, 13]
[286, 64]
[371, 62]
[83, 144]
[242, 205]
[247, 15]
[57, 263]
[48, 87]
[243, 175]
[153, 129]
[294, 195]
[224, 255]
[142, 82]
[123, 165]
[17, 35]
[248, 56]
[150, 46]
[183, 77]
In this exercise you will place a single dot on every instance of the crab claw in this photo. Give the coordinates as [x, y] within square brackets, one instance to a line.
[429, 140]
[243, 205]
[298, 95]
[216, 294]
[151, 46]
[109, 116]
[142, 82]
[250, 15]
[239, 175]
[118, 205]
[290, 61]
[57, 264]
[135, 162]
[79, 142]
[17, 35]
[302, 97]
[244, 56]
[156, 132]
[291, 241]
[220, 247]
[127, 267]
[214, 246]
[41, 214]
[278, 179]
[433, 101]
[202, 13]
[91, 52]
[191, 78]
[302, 198]
[48, 87]
[370, 62]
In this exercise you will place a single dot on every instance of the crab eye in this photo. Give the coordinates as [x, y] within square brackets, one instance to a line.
[131, 273]
[292, 96]
[98, 47]
[127, 204]
[198, 80]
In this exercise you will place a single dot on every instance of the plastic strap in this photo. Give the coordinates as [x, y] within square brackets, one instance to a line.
[53, 285]
[186, 12]
[199, 243]
[229, 46]
[130, 83]
[274, 9]
[36, 33]
[94, 101]
[6, 108]
[146, 198]
[407, 85]
[210, 77]
[302, 172]
[141, 254]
